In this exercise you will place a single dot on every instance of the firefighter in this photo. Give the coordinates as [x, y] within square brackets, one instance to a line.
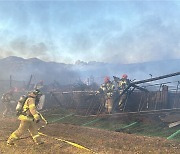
[29, 117]
[121, 85]
[6, 100]
[108, 89]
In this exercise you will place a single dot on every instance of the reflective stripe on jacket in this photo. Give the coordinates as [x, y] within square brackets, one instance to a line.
[122, 84]
[108, 88]
[30, 111]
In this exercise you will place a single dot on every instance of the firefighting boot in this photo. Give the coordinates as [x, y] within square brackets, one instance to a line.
[11, 139]
[39, 143]
[10, 143]
[37, 140]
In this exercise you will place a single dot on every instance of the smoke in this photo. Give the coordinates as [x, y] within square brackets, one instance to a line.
[115, 32]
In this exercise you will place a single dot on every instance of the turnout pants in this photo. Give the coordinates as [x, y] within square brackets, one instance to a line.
[122, 100]
[109, 104]
[25, 125]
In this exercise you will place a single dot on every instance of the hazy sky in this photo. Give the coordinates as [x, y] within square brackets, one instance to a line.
[97, 30]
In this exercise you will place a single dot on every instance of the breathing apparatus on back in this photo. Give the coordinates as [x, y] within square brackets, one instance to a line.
[34, 94]
[20, 104]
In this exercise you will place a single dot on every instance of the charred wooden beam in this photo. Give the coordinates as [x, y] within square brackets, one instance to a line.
[156, 78]
[149, 80]
[29, 82]
[116, 79]
[10, 81]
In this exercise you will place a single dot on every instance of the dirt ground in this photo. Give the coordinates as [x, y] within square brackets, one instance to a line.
[96, 140]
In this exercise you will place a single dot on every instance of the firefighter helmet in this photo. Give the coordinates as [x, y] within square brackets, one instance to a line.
[37, 92]
[124, 76]
[106, 79]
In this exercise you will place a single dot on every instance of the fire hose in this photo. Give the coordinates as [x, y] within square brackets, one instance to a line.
[68, 142]
[62, 140]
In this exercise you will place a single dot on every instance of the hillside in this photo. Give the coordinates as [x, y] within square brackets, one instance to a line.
[21, 69]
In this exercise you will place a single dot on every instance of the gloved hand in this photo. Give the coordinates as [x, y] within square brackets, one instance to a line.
[37, 121]
[47, 122]
[37, 117]
[18, 113]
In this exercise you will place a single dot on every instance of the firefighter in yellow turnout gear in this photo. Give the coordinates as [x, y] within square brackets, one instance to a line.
[123, 84]
[29, 118]
[108, 89]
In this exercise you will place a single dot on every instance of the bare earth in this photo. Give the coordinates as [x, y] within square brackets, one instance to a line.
[98, 141]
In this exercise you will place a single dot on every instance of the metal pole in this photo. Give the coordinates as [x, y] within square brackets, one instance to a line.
[29, 82]
[10, 81]
[156, 78]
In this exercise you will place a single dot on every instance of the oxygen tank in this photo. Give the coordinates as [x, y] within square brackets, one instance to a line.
[20, 104]
[41, 103]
